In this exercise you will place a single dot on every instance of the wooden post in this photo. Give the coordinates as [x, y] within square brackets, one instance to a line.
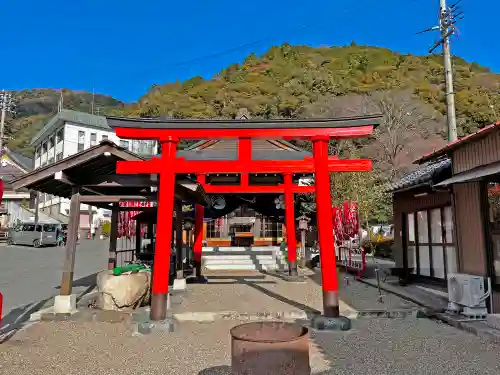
[37, 206]
[69, 260]
[178, 239]
[113, 237]
[137, 238]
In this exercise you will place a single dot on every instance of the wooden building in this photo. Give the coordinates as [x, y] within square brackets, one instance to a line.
[475, 190]
[423, 223]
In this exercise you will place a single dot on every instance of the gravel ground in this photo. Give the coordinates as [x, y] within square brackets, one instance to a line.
[258, 292]
[373, 346]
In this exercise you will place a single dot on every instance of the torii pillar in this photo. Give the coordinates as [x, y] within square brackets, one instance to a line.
[161, 265]
[199, 214]
[291, 240]
[329, 278]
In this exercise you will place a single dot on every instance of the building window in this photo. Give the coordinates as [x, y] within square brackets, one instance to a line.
[270, 229]
[124, 144]
[44, 148]
[51, 143]
[93, 139]
[37, 152]
[429, 242]
[81, 140]
[60, 135]
[214, 228]
[59, 156]
[104, 137]
[494, 226]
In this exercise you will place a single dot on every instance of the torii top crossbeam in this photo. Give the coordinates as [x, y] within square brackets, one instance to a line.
[337, 128]
[319, 131]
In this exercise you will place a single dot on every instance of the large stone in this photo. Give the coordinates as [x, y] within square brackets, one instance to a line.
[124, 292]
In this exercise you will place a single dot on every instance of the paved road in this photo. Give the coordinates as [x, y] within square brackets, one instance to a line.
[29, 275]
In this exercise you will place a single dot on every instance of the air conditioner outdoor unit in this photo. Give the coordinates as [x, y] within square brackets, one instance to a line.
[466, 295]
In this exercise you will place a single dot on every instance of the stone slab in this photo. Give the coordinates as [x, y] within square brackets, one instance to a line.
[493, 321]
[179, 284]
[323, 323]
[65, 304]
[148, 327]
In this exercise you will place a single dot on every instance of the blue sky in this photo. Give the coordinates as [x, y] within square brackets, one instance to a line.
[123, 47]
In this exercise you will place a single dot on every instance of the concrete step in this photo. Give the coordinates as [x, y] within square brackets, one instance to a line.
[237, 257]
[238, 261]
[247, 267]
[255, 249]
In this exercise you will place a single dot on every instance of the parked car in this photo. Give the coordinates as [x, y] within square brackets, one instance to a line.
[32, 234]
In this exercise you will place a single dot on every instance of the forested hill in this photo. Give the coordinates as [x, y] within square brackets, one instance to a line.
[34, 108]
[296, 81]
[286, 80]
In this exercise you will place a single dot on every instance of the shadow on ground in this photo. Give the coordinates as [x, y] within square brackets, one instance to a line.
[18, 316]
[86, 281]
[249, 281]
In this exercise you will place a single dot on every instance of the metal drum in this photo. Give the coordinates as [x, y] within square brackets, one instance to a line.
[276, 348]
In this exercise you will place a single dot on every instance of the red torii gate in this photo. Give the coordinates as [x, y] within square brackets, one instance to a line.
[319, 131]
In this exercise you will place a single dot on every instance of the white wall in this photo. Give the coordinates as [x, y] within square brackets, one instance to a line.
[69, 146]
[71, 138]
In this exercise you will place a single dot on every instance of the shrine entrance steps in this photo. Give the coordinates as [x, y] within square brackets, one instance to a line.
[256, 258]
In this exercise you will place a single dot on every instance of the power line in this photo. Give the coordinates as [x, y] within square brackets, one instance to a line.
[258, 41]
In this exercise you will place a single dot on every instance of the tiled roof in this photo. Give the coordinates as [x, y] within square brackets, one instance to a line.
[430, 172]
[67, 115]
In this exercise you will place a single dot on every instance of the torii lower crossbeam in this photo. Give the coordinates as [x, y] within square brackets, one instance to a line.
[181, 166]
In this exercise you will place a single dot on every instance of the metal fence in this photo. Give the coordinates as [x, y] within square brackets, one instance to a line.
[125, 251]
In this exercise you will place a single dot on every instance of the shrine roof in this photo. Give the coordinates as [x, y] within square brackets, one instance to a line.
[158, 123]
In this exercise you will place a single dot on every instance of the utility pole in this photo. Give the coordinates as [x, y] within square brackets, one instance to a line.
[448, 72]
[448, 17]
[6, 105]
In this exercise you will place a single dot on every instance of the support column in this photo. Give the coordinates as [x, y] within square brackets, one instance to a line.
[113, 237]
[69, 260]
[198, 237]
[329, 278]
[161, 265]
[178, 240]
[138, 238]
[291, 240]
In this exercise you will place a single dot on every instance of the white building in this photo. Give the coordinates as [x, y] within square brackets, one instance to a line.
[68, 133]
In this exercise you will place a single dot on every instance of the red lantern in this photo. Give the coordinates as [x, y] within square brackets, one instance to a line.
[338, 225]
[351, 219]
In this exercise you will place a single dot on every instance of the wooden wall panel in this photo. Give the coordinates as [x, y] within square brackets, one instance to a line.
[483, 151]
[469, 229]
